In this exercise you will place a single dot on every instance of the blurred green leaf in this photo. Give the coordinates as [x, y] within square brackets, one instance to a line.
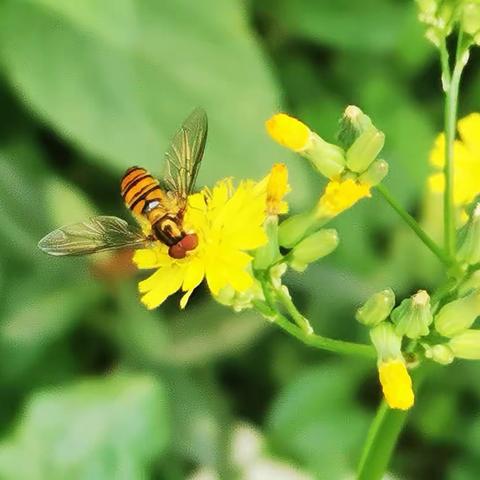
[32, 326]
[121, 76]
[316, 420]
[373, 25]
[66, 203]
[94, 429]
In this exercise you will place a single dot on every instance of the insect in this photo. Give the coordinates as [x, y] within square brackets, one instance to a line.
[161, 204]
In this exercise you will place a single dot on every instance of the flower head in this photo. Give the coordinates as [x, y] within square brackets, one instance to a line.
[288, 131]
[340, 195]
[466, 161]
[228, 223]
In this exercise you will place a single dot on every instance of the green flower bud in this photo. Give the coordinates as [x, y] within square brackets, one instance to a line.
[413, 316]
[440, 353]
[353, 123]
[268, 253]
[375, 173]
[472, 283]
[312, 248]
[457, 316]
[377, 308]
[466, 345]
[365, 149]
[296, 227]
[239, 301]
[326, 158]
[387, 343]
[471, 18]
[469, 250]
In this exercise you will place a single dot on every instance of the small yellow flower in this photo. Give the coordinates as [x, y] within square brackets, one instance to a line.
[277, 188]
[288, 131]
[228, 222]
[340, 195]
[466, 156]
[396, 384]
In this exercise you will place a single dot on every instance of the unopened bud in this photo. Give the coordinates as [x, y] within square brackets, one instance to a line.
[455, 317]
[296, 227]
[326, 158]
[469, 250]
[466, 345]
[375, 173]
[386, 342]
[353, 123]
[471, 18]
[365, 149]
[377, 308]
[472, 283]
[312, 248]
[440, 353]
[268, 253]
[240, 301]
[413, 316]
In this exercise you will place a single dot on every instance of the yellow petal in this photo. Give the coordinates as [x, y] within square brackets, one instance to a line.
[277, 187]
[469, 128]
[151, 257]
[340, 195]
[288, 131]
[396, 384]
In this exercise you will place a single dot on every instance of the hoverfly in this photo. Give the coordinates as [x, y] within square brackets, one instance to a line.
[162, 205]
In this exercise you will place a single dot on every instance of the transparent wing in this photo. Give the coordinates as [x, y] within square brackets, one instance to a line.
[95, 235]
[185, 154]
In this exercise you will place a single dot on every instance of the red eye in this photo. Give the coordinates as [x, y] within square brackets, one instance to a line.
[177, 251]
[189, 242]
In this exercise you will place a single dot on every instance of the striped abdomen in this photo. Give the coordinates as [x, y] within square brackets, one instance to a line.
[139, 189]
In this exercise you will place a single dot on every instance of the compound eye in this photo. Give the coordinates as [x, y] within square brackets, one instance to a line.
[189, 241]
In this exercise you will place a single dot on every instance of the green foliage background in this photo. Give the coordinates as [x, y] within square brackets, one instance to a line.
[92, 386]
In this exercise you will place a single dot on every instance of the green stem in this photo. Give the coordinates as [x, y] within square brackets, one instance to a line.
[382, 438]
[412, 223]
[284, 296]
[310, 339]
[451, 107]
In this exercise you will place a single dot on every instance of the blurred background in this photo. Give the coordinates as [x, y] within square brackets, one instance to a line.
[92, 385]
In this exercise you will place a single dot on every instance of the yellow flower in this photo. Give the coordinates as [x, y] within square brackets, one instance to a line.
[396, 384]
[288, 131]
[277, 188]
[466, 183]
[340, 195]
[228, 222]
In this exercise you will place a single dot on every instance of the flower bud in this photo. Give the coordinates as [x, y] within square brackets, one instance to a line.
[365, 149]
[377, 308]
[470, 20]
[268, 253]
[413, 316]
[339, 196]
[239, 301]
[457, 316]
[312, 248]
[353, 123]
[375, 173]
[469, 250]
[466, 345]
[326, 158]
[386, 342]
[440, 353]
[396, 384]
[472, 283]
[294, 228]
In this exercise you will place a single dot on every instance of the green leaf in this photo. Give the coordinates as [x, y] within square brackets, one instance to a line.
[373, 25]
[30, 327]
[316, 420]
[122, 75]
[96, 429]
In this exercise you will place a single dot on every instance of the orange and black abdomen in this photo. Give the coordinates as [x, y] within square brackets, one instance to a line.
[139, 188]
